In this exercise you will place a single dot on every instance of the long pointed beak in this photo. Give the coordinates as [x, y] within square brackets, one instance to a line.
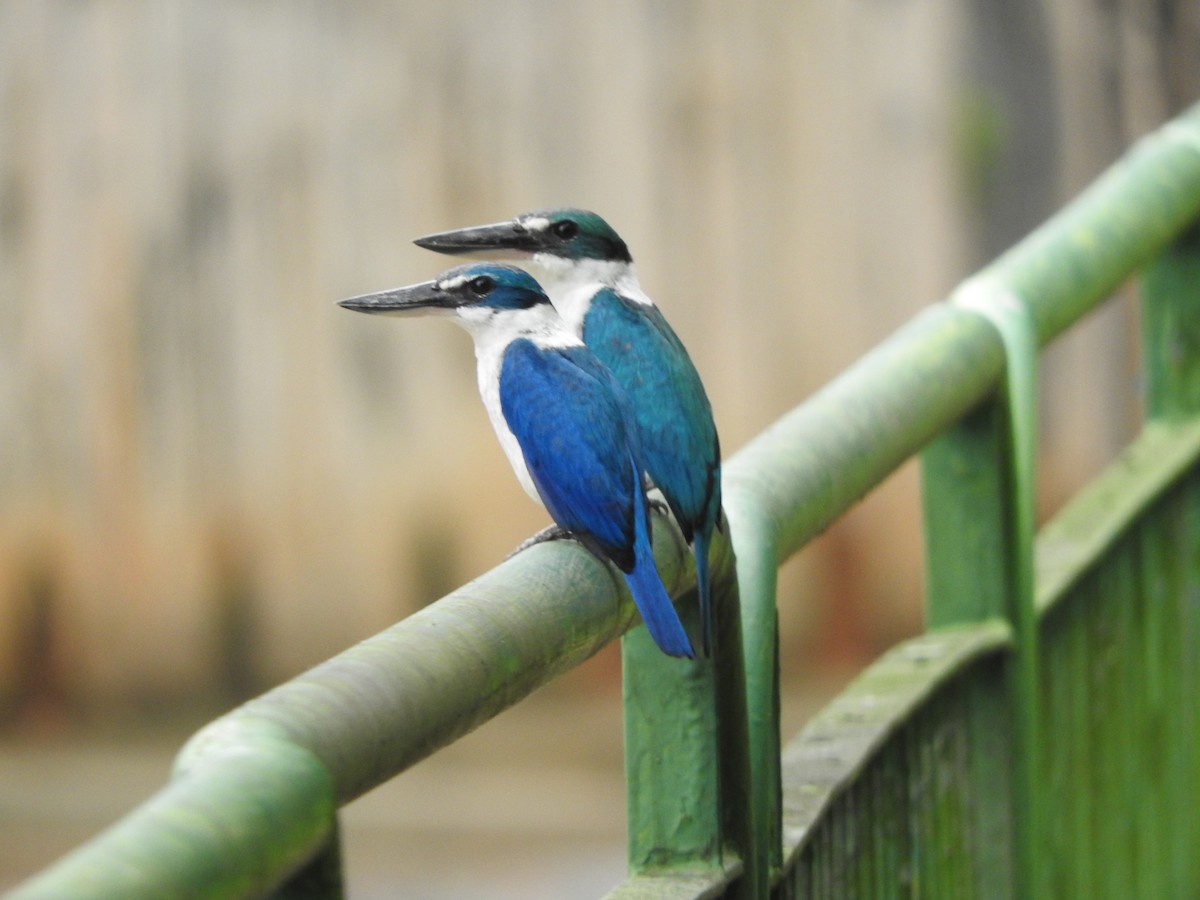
[414, 299]
[482, 240]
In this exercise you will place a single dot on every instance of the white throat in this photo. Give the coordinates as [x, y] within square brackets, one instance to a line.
[492, 332]
[571, 284]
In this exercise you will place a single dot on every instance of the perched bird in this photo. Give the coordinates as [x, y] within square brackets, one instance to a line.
[589, 274]
[563, 420]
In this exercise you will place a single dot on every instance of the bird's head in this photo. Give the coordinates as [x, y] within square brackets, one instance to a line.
[562, 233]
[474, 293]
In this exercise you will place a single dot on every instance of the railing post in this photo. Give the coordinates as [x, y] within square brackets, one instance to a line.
[757, 579]
[686, 749]
[978, 498]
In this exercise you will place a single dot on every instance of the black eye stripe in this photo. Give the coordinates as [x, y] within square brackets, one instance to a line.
[481, 285]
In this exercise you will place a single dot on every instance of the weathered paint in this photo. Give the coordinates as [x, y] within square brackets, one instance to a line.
[899, 787]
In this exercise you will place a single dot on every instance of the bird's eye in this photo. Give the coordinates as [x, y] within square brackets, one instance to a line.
[481, 286]
[564, 230]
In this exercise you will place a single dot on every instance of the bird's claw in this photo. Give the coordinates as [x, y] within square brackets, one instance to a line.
[549, 533]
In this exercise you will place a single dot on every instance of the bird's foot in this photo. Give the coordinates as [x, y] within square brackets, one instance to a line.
[549, 533]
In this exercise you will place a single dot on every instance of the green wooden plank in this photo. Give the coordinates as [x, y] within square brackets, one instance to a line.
[1174, 667]
[1089, 524]
[1188, 569]
[1067, 702]
[1119, 661]
[883, 786]
[1072, 549]
[839, 742]
[991, 822]
[1131, 824]
[1109, 724]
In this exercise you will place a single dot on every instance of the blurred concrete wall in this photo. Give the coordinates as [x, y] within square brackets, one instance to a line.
[211, 477]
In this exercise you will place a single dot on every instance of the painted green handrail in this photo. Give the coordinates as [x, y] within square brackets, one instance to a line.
[255, 793]
[791, 481]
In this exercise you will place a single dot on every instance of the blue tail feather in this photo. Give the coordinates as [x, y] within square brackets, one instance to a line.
[657, 610]
[652, 599]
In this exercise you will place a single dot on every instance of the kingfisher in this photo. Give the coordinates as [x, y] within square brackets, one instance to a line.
[589, 274]
[562, 418]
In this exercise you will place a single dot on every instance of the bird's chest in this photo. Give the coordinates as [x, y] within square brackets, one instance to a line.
[490, 370]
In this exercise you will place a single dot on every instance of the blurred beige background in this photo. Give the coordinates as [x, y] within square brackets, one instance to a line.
[212, 478]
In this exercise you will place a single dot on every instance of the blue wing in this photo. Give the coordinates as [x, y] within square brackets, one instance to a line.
[675, 423]
[571, 419]
[565, 411]
[680, 449]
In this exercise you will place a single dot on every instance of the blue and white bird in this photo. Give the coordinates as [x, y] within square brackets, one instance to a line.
[563, 420]
[588, 271]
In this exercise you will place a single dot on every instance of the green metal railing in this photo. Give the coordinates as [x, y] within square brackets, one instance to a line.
[1038, 741]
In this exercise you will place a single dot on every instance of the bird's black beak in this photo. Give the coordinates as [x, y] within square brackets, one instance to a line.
[415, 299]
[483, 240]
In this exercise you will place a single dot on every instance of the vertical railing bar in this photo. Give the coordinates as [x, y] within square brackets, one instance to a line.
[1080, 703]
[740, 810]
[985, 467]
[688, 779]
[1018, 333]
[672, 773]
[754, 542]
